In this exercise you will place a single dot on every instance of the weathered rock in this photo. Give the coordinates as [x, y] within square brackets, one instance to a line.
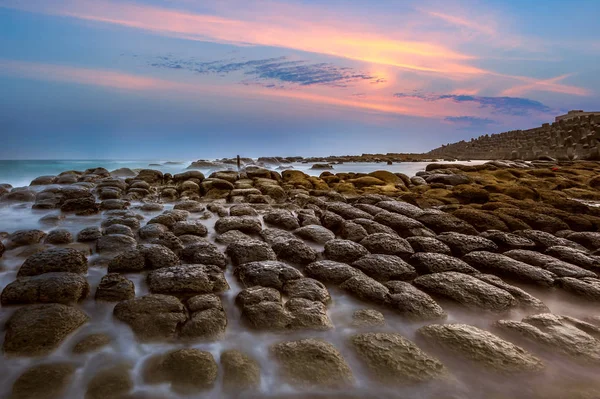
[119, 229]
[170, 241]
[262, 309]
[403, 225]
[506, 267]
[89, 234]
[187, 370]
[430, 262]
[589, 239]
[508, 241]
[347, 211]
[54, 260]
[282, 219]
[526, 301]
[382, 243]
[114, 288]
[312, 363]
[575, 257]
[266, 274]
[187, 280]
[306, 288]
[544, 240]
[245, 224]
[57, 287]
[428, 244]
[204, 252]
[365, 288]
[373, 227]
[240, 372]
[391, 359]
[128, 220]
[208, 320]
[367, 318]
[413, 303]
[385, 267]
[245, 251]
[24, 237]
[315, 233]
[112, 382]
[153, 230]
[353, 231]
[560, 334]
[480, 347]
[157, 256]
[39, 329]
[481, 220]
[59, 237]
[449, 180]
[586, 288]
[128, 261]
[295, 251]
[467, 291]
[402, 208]
[344, 250]
[152, 317]
[44, 381]
[307, 314]
[91, 343]
[115, 243]
[331, 272]
[441, 222]
[547, 262]
[190, 227]
[462, 244]
[231, 236]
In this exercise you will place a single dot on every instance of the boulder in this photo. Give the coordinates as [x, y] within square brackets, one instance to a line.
[240, 372]
[373, 227]
[403, 225]
[462, 244]
[547, 262]
[544, 240]
[402, 208]
[481, 220]
[115, 287]
[449, 180]
[344, 250]
[315, 233]
[24, 237]
[331, 272]
[89, 234]
[37, 330]
[252, 250]
[204, 252]
[91, 343]
[575, 257]
[412, 303]
[194, 227]
[428, 244]
[54, 260]
[231, 237]
[282, 219]
[153, 230]
[111, 382]
[245, 224]
[347, 211]
[208, 320]
[44, 381]
[589, 239]
[393, 360]
[152, 317]
[311, 363]
[306, 288]
[266, 274]
[467, 291]
[480, 347]
[353, 231]
[365, 288]
[385, 267]
[527, 302]
[294, 251]
[507, 241]
[187, 280]
[119, 229]
[188, 370]
[561, 335]
[505, 267]
[56, 287]
[382, 243]
[586, 288]
[441, 222]
[431, 262]
[115, 243]
[59, 237]
[367, 318]
[262, 309]
[128, 261]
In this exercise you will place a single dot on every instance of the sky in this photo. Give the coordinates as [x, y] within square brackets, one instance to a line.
[195, 79]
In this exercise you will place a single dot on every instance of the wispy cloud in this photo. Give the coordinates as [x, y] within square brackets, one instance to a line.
[280, 69]
[504, 105]
[470, 122]
[551, 85]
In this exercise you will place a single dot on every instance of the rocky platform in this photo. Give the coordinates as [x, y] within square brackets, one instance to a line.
[259, 282]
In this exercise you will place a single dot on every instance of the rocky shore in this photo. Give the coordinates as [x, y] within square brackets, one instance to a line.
[263, 283]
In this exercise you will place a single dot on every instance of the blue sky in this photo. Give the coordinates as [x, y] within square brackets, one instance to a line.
[186, 79]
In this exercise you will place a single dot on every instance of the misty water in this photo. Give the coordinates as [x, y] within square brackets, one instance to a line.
[467, 381]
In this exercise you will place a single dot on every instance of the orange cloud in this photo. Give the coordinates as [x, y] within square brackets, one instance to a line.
[323, 37]
[551, 85]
